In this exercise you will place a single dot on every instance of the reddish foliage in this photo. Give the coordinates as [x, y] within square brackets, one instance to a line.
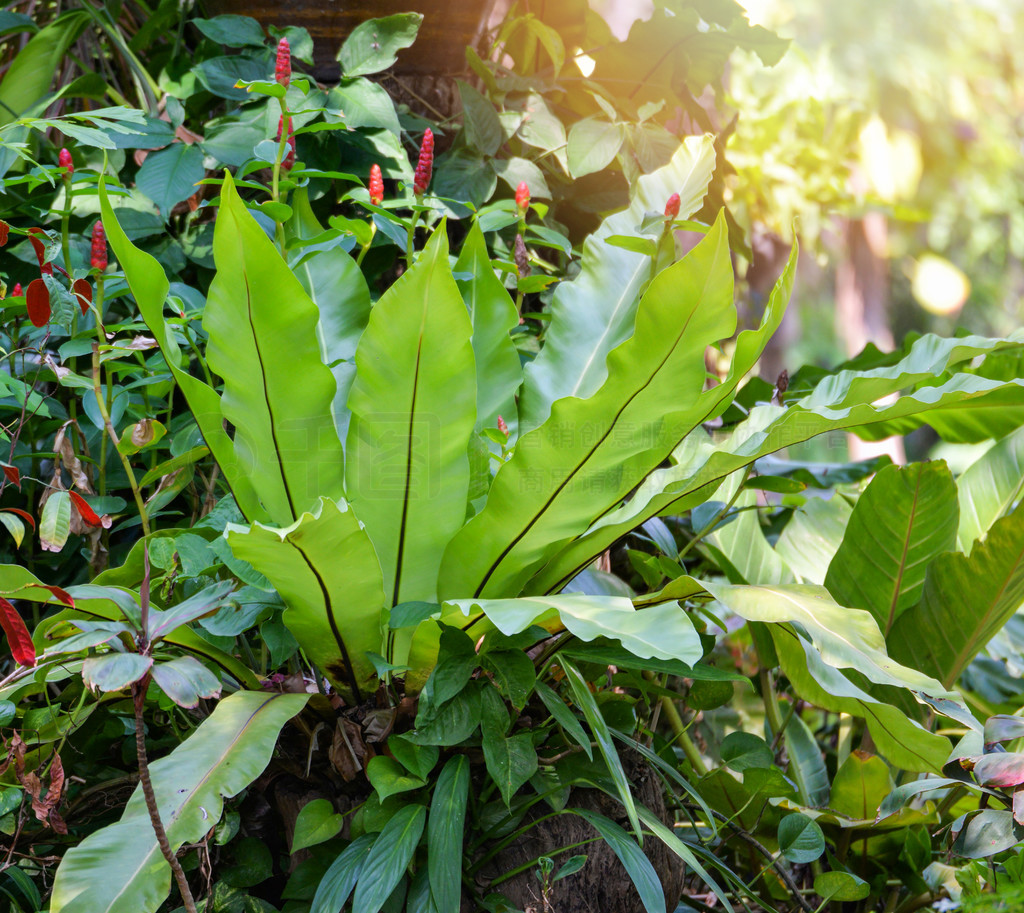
[22, 648]
[37, 297]
[87, 513]
[82, 291]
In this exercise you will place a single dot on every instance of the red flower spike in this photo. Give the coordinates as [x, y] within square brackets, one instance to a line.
[425, 165]
[376, 185]
[289, 158]
[672, 207]
[64, 160]
[98, 256]
[82, 291]
[22, 648]
[283, 67]
[502, 426]
[523, 196]
[17, 289]
[4, 231]
[37, 297]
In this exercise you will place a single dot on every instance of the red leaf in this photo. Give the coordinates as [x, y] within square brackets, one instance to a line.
[40, 250]
[62, 597]
[13, 475]
[24, 514]
[4, 229]
[83, 292]
[22, 648]
[88, 514]
[37, 297]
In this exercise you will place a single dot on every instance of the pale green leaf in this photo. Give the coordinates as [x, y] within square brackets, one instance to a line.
[120, 869]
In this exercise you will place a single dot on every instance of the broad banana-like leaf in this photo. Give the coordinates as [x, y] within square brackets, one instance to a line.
[149, 285]
[701, 467]
[590, 452]
[595, 312]
[277, 391]
[413, 410]
[744, 546]
[120, 868]
[965, 601]
[664, 631]
[493, 314]
[902, 740]
[989, 487]
[812, 536]
[336, 286]
[845, 638]
[325, 570]
[906, 517]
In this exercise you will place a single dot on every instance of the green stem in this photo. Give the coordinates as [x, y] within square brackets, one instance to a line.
[713, 522]
[366, 246]
[410, 242]
[678, 727]
[275, 190]
[105, 413]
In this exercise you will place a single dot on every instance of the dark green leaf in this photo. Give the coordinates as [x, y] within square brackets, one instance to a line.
[513, 674]
[841, 886]
[373, 45]
[231, 31]
[800, 839]
[636, 864]
[388, 858]
[479, 120]
[602, 735]
[341, 877]
[743, 751]
[317, 822]
[169, 176]
[445, 834]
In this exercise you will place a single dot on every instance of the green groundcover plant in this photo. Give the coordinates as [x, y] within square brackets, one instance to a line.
[496, 562]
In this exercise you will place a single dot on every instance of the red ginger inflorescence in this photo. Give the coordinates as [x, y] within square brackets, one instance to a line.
[523, 196]
[425, 165]
[98, 256]
[64, 160]
[17, 289]
[289, 158]
[672, 207]
[376, 187]
[283, 67]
